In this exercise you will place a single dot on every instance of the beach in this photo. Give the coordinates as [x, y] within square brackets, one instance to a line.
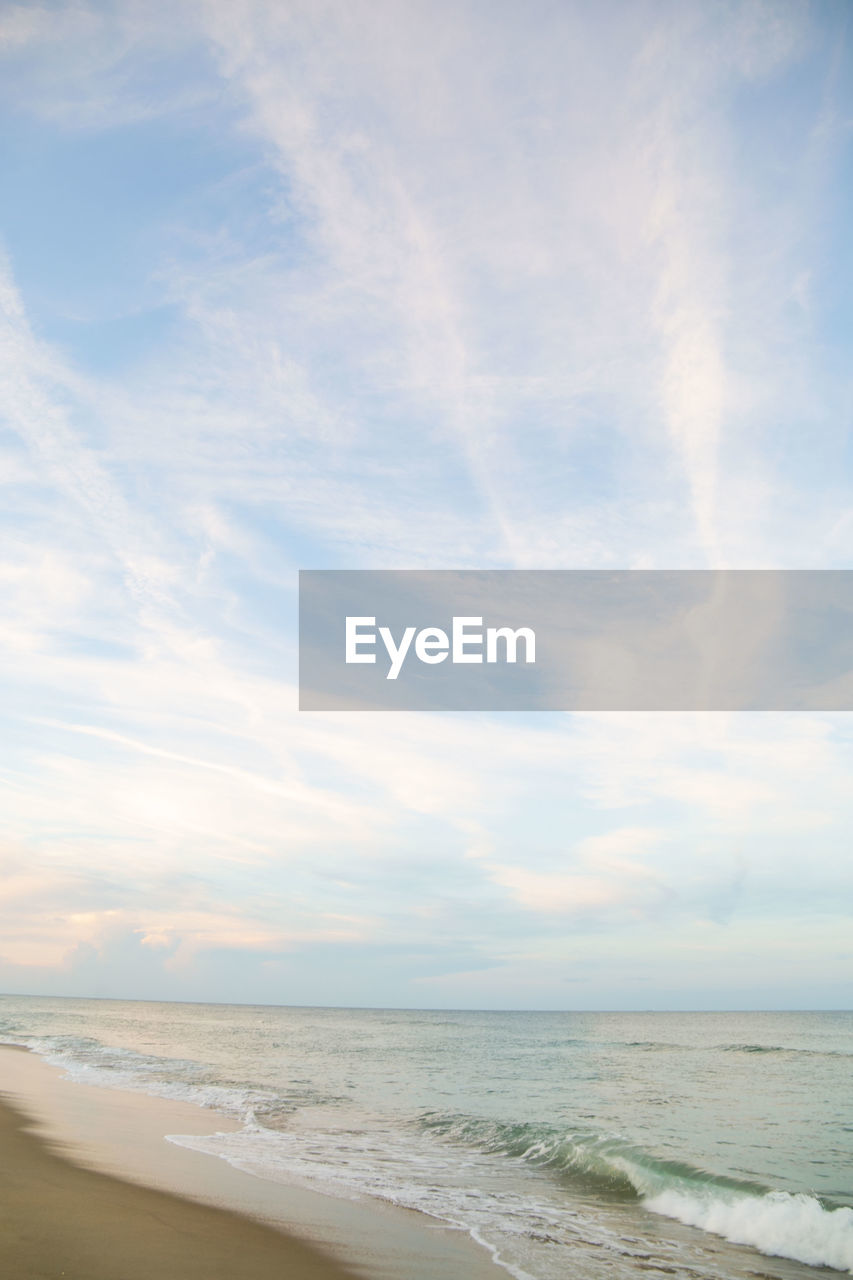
[60, 1219]
[91, 1188]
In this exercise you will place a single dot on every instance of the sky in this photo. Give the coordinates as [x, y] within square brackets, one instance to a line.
[411, 284]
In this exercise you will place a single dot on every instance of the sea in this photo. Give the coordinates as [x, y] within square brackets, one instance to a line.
[583, 1145]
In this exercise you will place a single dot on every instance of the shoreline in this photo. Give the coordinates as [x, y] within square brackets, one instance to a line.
[62, 1219]
[119, 1136]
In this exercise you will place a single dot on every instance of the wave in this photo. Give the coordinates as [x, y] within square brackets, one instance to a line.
[756, 1048]
[788, 1050]
[777, 1223]
[607, 1162]
[180, 1079]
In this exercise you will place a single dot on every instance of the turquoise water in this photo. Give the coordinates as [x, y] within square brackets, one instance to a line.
[590, 1145]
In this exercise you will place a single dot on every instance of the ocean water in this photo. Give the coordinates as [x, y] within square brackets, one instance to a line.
[589, 1145]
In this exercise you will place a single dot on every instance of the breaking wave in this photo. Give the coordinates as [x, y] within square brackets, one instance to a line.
[777, 1223]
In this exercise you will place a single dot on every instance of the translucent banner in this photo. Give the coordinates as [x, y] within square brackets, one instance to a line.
[575, 640]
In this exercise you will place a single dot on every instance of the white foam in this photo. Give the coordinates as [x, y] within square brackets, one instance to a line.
[778, 1224]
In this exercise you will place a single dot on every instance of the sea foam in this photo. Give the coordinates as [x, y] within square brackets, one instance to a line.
[778, 1224]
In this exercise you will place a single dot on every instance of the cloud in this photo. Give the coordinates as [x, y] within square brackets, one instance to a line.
[92, 66]
[605, 876]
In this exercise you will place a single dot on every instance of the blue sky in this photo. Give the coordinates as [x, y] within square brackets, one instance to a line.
[411, 285]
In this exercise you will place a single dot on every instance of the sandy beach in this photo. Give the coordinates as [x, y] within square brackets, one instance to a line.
[58, 1219]
[91, 1188]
